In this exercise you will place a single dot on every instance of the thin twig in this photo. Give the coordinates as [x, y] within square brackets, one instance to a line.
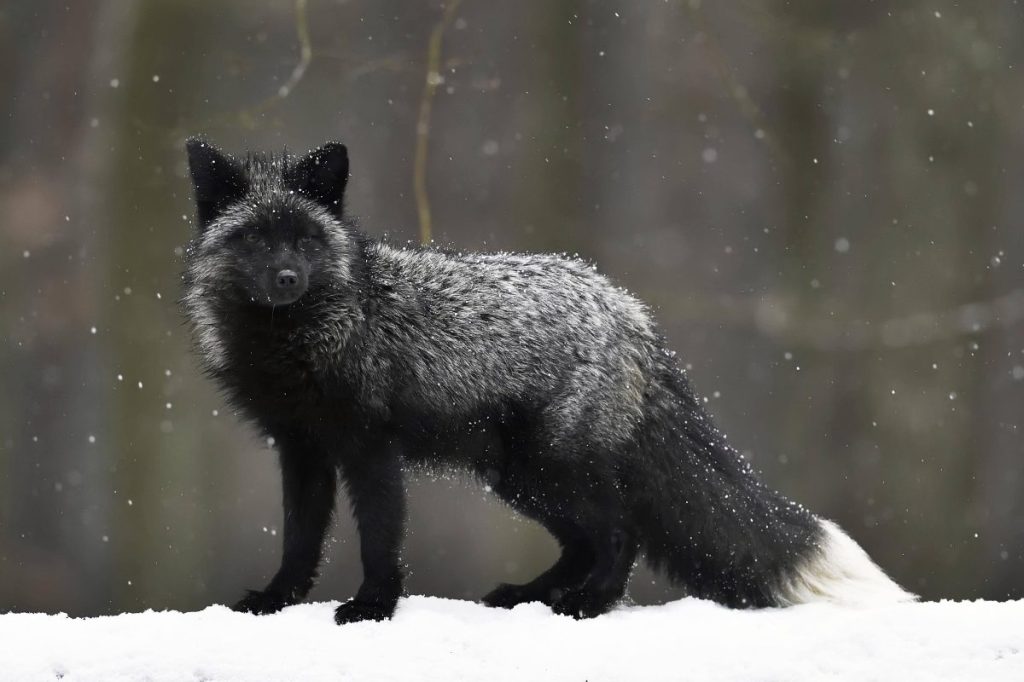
[305, 46]
[248, 116]
[748, 108]
[432, 80]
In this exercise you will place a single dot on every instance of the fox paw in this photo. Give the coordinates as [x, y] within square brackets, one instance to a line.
[355, 611]
[505, 596]
[581, 604]
[260, 603]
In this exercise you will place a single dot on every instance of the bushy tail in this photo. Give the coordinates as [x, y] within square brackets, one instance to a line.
[839, 571]
[708, 521]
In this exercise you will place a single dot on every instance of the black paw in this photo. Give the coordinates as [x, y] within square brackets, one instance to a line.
[355, 611]
[505, 596]
[581, 604]
[260, 603]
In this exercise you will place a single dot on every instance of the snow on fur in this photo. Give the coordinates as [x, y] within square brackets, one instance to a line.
[437, 639]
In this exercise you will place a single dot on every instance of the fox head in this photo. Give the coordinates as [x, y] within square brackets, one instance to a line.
[269, 228]
[271, 243]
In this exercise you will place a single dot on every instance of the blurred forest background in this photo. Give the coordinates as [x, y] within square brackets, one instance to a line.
[821, 200]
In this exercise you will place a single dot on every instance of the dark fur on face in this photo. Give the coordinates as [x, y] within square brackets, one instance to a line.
[532, 371]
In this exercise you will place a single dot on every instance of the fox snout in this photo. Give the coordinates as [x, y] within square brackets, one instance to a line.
[286, 285]
[287, 279]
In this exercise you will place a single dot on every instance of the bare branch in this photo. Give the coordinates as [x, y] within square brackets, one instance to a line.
[432, 80]
[305, 45]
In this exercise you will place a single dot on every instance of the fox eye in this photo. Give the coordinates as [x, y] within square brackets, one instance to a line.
[305, 241]
[253, 238]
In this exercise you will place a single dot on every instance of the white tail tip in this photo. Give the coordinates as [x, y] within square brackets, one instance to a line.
[839, 571]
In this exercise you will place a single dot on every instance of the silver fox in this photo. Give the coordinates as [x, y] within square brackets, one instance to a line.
[534, 372]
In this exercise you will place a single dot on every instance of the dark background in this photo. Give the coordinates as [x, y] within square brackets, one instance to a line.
[821, 200]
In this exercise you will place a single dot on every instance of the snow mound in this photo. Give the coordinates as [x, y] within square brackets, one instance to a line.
[439, 639]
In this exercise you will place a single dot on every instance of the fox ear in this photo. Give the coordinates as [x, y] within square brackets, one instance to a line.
[322, 175]
[217, 178]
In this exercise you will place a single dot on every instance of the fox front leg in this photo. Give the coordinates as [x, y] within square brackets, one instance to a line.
[376, 491]
[309, 484]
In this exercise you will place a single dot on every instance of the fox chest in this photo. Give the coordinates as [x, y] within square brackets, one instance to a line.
[271, 381]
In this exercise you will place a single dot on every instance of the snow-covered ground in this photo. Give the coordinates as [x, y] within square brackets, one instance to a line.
[438, 639]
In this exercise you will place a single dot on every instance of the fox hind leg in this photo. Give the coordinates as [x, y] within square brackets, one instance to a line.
[569, 571]
[616, 550]
[577, 500]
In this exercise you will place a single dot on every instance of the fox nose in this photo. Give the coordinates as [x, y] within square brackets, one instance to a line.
[287, 279]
